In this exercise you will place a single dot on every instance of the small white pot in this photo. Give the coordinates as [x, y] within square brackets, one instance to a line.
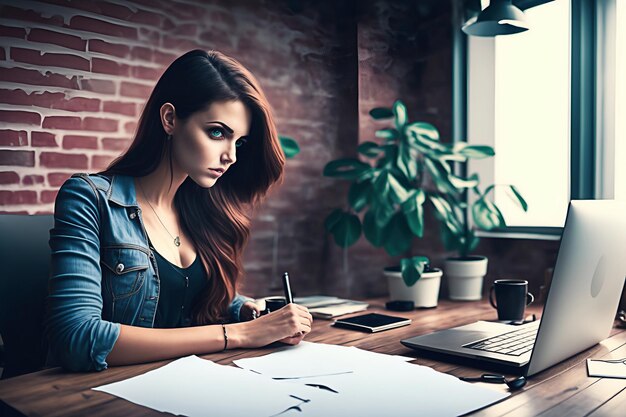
[424, 293]
[465, 277]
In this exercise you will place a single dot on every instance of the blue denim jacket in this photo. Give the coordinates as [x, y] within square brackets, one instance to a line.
[103, 271]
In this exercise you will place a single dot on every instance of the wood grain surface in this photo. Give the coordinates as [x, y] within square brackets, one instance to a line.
[563, 390]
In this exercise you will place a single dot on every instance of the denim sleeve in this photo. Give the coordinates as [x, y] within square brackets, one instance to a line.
[235, 306]
[79, 339]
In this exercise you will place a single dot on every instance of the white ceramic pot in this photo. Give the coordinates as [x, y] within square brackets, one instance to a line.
[424, 293]
[465, 277]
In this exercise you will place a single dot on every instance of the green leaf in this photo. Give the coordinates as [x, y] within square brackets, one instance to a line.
[459, 182]
[474, 151]
[289, 145]
[414, 211]
[373, 233]
[399, 110]
[387, 133]
[399, 238]
[424, 129]
[380, 113]
[446, 214]
[399, 194]
[440, 174]
[384, 212]
[523, 204]
[346, 230]
[486, 215]
[427, 145]
[332, 219]
[407, 162]
[349, 168]
[369, 149]
[413, 268]
[358, 195]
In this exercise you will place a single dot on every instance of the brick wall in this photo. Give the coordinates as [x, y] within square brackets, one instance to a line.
[74, 76]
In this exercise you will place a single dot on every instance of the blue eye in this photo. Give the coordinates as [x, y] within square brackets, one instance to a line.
[240, 142]
[216, 132]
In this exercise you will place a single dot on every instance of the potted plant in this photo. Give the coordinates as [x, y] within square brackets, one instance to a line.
[393, 181]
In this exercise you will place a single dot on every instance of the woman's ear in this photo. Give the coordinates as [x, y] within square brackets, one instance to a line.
[168, 115]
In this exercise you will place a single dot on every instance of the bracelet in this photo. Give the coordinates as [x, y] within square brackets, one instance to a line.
[225, 336]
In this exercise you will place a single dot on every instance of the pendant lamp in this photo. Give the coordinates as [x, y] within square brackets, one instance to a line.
[501, 17]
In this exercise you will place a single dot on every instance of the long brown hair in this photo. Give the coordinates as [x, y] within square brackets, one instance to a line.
[216, 219]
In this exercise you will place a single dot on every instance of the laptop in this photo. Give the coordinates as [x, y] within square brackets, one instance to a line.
[580, 307]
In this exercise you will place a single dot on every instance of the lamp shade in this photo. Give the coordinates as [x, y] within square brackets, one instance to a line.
[501, 17]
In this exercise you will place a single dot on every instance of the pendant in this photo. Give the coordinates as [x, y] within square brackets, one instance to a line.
[177, 241]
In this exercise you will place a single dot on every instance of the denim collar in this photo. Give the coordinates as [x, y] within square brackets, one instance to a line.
[122, 191]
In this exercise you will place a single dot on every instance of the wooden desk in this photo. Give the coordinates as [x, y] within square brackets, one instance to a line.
[563, 390]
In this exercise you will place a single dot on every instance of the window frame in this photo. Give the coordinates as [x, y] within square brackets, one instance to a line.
[583, 143]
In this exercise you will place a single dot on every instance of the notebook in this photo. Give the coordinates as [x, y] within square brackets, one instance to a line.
[328, 307]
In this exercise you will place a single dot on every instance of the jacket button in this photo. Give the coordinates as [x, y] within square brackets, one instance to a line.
[119, 268]
[132, 215]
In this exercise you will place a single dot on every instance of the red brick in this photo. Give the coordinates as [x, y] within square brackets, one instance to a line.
[48, 196]
[18, 197]
[32, 179]
[188, 29]
[13, 138]
[129, 89]
[99, 26]
[172, 42]
[41, 139]
[63, 160]
[147, 18]
[114, 144]
[146, 73]
[10, 12]
[130, 127]
[9, 177]
[32, 56]
[119, 107]
[100, 162]
[56, 179]
[49, 100]
[150, 37]
[114, 49]
[78, 104]
[62, 122]
[15, 212]
[80, 142]
[56, 38]
[12, 32]
[18, 158]
[164, 58]
[19, 116]
[106, 66]
[98, 86]
[139, 52]
[34, 77]
[99, 124]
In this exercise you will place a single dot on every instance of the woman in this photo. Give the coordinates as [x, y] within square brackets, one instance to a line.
[146, 256]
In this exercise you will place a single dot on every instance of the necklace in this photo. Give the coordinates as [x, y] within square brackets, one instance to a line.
[176, 238]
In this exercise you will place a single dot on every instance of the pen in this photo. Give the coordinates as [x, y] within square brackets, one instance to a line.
[288, 298]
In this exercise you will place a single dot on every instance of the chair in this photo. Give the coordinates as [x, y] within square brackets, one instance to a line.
[24, 266]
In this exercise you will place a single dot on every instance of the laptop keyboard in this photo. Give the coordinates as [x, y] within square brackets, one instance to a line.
[514, 343]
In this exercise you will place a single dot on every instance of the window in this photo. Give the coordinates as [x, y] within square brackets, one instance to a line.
[522, 109]
[547, 101]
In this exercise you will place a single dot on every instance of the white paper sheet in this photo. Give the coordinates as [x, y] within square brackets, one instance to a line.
[192, 386]
[308, 359]
[399, 389]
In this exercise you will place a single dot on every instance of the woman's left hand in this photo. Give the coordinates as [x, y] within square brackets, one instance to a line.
[249, 311]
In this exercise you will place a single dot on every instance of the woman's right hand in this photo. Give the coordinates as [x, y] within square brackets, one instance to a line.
[289, 325]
